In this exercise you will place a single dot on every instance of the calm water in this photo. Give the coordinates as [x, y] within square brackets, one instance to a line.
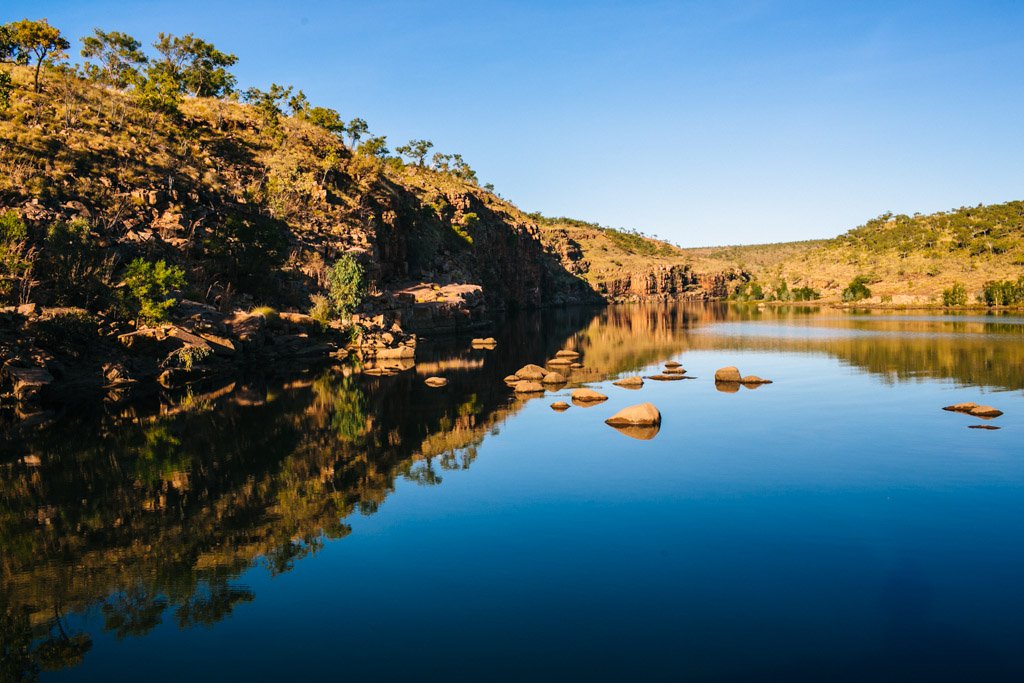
[835, 525]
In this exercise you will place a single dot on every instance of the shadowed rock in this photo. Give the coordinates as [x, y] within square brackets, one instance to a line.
[529, 387]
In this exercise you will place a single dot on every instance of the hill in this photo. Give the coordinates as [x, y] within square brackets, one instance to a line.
[901, 259]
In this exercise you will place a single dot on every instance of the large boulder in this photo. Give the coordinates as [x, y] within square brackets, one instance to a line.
[728, 374]
[587, 396]
[642, 414]
[554, 378]
[531, 372]
[634, 382]
[435, 382]
[528, 387]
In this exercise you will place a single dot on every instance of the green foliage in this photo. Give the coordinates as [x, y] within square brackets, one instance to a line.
[320, 311]
[299, 105]
[189, 355]
[1003, 292]
[357, 128]
[416, 150]
[955, 295]
[15, 256]
[857, 290]
[345, 285]
[805, 294]
[268, 103]
[158, 92]
[27, 39]
[148, 287]
[6, 86]
[119, 57]
[469, 221]
[194, 65]
[73, 264]
[247, 249]
[748, 291]
[375, 147]
[328, 119]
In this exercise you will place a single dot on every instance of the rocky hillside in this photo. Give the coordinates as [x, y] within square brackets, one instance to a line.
[902, 259]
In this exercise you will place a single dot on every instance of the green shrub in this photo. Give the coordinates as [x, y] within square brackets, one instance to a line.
[345, 286]
[268, 312]
[805, 294]
[320, 311]
[955, 295]
[74, 267]
[857, 290]
[189, 355]
[749, 291]
[147, 289]
[15, 257]
[1003, 292]
[5, 90]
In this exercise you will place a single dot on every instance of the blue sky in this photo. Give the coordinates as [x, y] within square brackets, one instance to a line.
[702, 122]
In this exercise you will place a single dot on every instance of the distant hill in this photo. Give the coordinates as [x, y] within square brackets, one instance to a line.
[905, 259]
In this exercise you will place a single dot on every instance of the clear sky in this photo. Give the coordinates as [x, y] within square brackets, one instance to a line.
[732, 121]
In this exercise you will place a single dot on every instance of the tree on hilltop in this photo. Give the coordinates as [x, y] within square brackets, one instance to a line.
[416, 150]
[119, 56]
[198, 67]
[27, 39]
[357, 128]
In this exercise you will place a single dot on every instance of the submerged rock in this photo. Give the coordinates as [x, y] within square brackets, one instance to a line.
[587, 396]
[435, 382]
[634, 382]
[642, 414]
[961, 407]
[754, 379]
[728, 374]
[974, 409]
[559, 406]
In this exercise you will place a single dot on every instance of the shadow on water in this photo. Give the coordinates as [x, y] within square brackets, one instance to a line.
[153, 512]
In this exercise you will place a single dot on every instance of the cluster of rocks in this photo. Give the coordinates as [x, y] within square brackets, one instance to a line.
[975, 410]
[729, 379]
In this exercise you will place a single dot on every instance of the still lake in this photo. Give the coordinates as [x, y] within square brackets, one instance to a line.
[835, 525]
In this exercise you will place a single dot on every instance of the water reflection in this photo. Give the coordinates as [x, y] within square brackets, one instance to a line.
[153, 512]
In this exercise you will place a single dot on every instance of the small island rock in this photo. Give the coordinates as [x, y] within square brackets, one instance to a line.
[642, 414]
[587, 396]
[727, 374]
[531, 372]
[673, 364]
[528, 387]
[559, 406]
[435, 382]
[634, 382]
[754, 379]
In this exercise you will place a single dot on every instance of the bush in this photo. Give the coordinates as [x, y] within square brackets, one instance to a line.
[148, 287]
[320, 311]
[5, 90]
[73, 264]
[749, 291]
[1003, 292]
[805, 294]
[15, 257]
[857, 289]
[955, 295]
[345, 286]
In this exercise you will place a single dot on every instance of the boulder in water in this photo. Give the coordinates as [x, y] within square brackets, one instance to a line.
[559, 406]
[553, 378]
[642, 414]
[754, 379]
[528, 387]
[435, 382]
[634, 382]
[587, 396]
[728, 374]
[566, 353]
[531, 372]
[666, 378]
[673, 364]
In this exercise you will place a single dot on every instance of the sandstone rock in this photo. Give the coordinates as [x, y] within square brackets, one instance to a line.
[531, 372]
[435, 382]
[566, 353]
[673, 364]
[576, 366]
[727, 374]
[961, 407]
[754, 379]
[587, 396]
[559, 361]
[488, 342]
[553, 378]
[634, 382]
[666, 378]
[643, 414]
[985, 411]
[674, 371]
[511, 379]
[559, 406]
[528, 387]
[28, 310]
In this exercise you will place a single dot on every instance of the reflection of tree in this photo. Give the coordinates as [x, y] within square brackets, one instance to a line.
[134, 612]
[211, 602]
[60, 649]
[16, 661]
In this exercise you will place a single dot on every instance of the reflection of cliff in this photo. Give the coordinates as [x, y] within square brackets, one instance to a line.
[969, 351]
[153, 514]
